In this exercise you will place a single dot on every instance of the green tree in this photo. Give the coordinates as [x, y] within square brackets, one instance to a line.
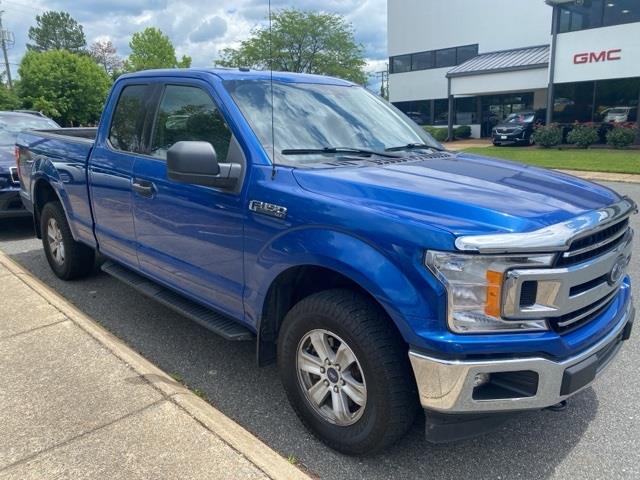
[153, 49]
[310, 42]
[8, 98]
[56, 31]
[69, 87]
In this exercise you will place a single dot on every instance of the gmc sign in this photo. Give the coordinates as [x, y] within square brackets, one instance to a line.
[595, 57]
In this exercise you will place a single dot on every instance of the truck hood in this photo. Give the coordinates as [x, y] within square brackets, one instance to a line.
[461, 193]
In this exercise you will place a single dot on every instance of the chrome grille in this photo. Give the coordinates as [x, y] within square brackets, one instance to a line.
[569, 296]
[571, 321]
[595, 244]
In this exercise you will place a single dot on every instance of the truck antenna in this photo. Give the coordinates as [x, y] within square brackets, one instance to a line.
[273, 130]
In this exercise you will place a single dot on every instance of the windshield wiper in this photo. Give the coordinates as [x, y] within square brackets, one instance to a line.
[361, 151]
[414, 146]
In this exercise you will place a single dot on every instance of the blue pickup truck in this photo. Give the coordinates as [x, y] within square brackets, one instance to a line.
[381, 272]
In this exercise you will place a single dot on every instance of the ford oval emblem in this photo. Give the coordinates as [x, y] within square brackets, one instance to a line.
[617, 271]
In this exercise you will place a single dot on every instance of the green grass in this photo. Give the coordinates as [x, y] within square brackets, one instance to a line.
[594, 160]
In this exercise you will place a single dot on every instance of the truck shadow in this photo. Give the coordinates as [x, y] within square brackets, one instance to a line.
[530, 445]
[16, 229]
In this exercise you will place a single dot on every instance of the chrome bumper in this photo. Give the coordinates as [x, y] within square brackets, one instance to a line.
[447, 386]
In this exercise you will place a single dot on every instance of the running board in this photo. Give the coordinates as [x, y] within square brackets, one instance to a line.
[217, 323]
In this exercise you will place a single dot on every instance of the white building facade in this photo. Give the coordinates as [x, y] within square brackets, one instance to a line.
[476, 61]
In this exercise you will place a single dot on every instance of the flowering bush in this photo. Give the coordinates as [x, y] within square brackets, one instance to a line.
[583, 135]
[463, 131]
[621, 136]
[547, 135]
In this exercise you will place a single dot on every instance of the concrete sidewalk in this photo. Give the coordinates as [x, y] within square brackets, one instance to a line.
[76, 402]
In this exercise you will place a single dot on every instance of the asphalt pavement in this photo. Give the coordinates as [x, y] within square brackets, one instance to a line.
[597, 437]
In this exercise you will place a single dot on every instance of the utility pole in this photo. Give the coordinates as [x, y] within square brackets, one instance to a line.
[384, 82]
[7, 40]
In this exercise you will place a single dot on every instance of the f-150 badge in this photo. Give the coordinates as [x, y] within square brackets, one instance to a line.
[268, 209]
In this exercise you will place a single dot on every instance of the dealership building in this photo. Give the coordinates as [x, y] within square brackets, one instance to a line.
[470, 62]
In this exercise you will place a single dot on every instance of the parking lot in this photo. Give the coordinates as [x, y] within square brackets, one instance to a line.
[598, 436]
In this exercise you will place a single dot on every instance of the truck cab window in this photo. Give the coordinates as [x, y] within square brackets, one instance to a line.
[128, 118]
[189, 114]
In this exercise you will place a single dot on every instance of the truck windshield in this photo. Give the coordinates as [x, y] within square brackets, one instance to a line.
[313, 123]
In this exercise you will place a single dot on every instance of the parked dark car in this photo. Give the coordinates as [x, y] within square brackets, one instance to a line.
[517, 128]
[32, 112]
[12, 123]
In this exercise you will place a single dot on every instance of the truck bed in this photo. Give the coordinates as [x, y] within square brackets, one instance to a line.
[82, 134]
[63, 153]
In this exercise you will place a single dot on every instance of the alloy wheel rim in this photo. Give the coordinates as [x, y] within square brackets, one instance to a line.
[54, 237]
[331, 377]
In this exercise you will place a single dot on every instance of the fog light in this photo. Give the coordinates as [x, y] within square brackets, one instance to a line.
[480, 379]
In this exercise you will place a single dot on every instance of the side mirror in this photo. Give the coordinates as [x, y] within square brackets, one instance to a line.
[197, 163]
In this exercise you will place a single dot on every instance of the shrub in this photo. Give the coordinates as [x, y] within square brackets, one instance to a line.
[547, 136]
[463, 131]
[621, 136]
[583, 135]
[439, 133]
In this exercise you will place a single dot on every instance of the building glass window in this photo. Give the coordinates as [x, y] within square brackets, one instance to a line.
[601, 101]
[419, 111]
[445, 57]
[597, 13]
[617, 12]
[441, 112]
[466, 110]
[573, 102]
[465, 53]
[617, 100]
[422, 61]
[401, 64]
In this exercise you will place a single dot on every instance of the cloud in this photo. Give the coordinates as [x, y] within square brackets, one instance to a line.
[196, 28]
[210, 29]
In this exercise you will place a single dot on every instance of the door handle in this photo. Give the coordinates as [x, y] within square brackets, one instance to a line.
[143, 188]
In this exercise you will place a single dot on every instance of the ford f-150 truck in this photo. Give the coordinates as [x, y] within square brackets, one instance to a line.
[381, 271]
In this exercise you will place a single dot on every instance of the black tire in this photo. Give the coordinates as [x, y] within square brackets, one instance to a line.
[78, 259]
[391, 398]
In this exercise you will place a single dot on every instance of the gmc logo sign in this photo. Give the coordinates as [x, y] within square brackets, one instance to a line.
[595, 57]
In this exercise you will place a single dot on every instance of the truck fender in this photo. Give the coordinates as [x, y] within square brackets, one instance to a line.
[347, 255]
[44, 172]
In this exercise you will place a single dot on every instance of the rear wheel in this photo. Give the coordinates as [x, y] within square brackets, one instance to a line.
[67, 258]
[346, 372]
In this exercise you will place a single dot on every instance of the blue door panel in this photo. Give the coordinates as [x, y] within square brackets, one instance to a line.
[191, 236]
[110, 180]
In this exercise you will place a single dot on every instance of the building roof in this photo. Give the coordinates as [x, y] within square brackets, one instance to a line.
[504, 61]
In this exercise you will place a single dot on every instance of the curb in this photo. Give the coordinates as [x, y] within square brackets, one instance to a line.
[603, 176]
[241, 440]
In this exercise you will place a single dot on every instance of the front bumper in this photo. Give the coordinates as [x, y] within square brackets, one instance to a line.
[509, 138]
[447, 386]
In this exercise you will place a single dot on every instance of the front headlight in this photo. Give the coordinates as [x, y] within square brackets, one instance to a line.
[474, 289]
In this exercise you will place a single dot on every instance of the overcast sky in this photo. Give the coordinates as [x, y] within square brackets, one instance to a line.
[197, 28]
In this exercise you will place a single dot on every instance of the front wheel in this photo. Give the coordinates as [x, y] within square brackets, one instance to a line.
[67, 258]
[346, 372]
